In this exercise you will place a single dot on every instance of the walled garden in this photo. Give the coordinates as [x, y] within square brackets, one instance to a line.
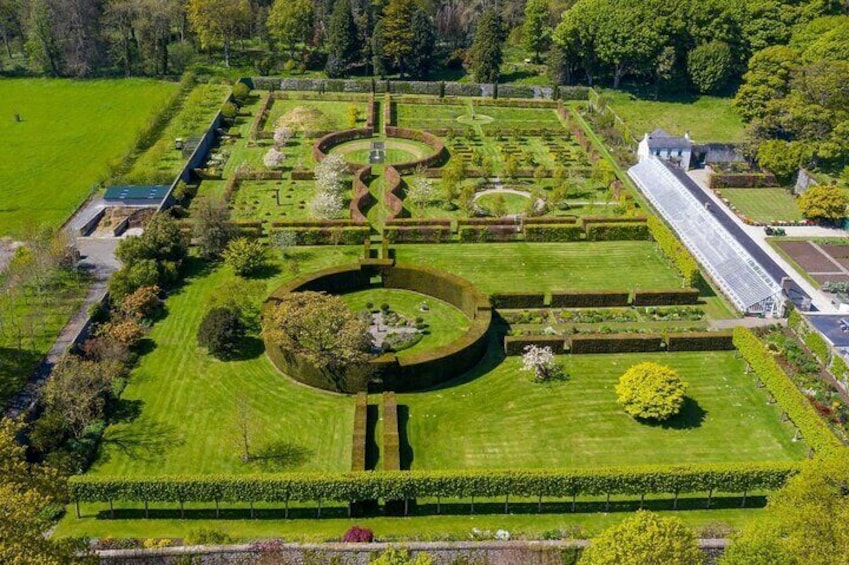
[445, 415]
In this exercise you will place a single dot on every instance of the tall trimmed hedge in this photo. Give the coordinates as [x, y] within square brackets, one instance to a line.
[515, 345]
[700, 341]
[392, 195]
[311, 487]
[553, 232]
[391, 435]
[343, 235]
[358, 447]
[518, 300]
[387, 372]
[815, 431]
[589, 299]
[675, 251]
[670, 297]
[424, 233]
[488, 233]
[615, 343]
[617, 231]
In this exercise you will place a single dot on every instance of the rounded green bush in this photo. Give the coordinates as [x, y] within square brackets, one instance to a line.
[651, 391]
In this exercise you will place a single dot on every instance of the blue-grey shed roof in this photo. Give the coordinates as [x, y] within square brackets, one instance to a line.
[153, 193]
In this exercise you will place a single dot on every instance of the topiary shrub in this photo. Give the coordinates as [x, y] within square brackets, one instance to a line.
[356, 534]
[221, 331]
[651, 391]
[241, 92]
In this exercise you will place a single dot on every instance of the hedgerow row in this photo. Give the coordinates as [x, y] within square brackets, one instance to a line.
[351, 487]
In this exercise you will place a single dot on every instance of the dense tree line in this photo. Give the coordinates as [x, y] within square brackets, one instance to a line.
[159, 37]
[705, 43]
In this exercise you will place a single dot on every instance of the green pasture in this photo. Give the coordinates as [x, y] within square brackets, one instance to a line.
[498, 417]
[548, 266]
[707, 118]
[445, 323]
[764, 204]
[68, 134]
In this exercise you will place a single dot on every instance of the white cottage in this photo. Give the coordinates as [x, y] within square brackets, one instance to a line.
[671, 148]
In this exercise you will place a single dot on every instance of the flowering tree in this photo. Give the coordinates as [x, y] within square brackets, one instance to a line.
[421, 191]
[541, 361]
[282, 135]
[330, 173]
[273, 159]
[326, 205]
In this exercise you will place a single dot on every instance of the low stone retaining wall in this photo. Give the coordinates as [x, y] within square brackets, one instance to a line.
[444, 553]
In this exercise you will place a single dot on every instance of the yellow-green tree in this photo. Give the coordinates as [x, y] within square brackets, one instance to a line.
[645, 539]
[322, 329]
[290, 22]
[25, 491]
[824, 202]
[219, 21]
[651, 391]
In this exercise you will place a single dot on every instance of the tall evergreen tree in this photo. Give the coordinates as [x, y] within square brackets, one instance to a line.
[341, 40]
[486, 54]
[397, 32]
[424, 44]
[536, 34]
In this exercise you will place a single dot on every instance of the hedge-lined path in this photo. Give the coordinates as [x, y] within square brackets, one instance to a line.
[98, 258]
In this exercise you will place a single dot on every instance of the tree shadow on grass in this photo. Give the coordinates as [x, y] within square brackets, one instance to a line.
[265, 272]
[493, 357]
[691, 416]
[250, 347]
[279, 456]
[143, 440]
[446, 508]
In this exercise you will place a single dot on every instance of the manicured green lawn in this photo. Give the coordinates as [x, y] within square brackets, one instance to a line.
[548, 266]
[456, 526]
[513, 203]
[503, 419]
[764, 204]
[707, 118]
[445, 323]
[69, 131]
[182, 404]
[332, 115]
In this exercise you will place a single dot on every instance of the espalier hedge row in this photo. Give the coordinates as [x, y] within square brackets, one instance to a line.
[308, 487]
[675, 250]
[816, 432]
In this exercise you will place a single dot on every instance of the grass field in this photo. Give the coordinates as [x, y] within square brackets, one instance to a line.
[69, 131]
[445, 323]
[548, 266]
[181, 404]
[707, 118]
[504, 419]
[764, 204]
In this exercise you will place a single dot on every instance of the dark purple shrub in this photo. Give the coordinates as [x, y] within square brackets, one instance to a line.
[357, 534]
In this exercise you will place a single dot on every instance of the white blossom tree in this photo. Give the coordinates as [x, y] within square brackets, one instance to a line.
[273, 159]
[330, 174]
[541, 361]
[282, 135]
[326, 205]
[421, 191]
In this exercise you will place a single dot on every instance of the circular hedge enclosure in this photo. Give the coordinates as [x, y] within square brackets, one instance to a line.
[387, 372]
